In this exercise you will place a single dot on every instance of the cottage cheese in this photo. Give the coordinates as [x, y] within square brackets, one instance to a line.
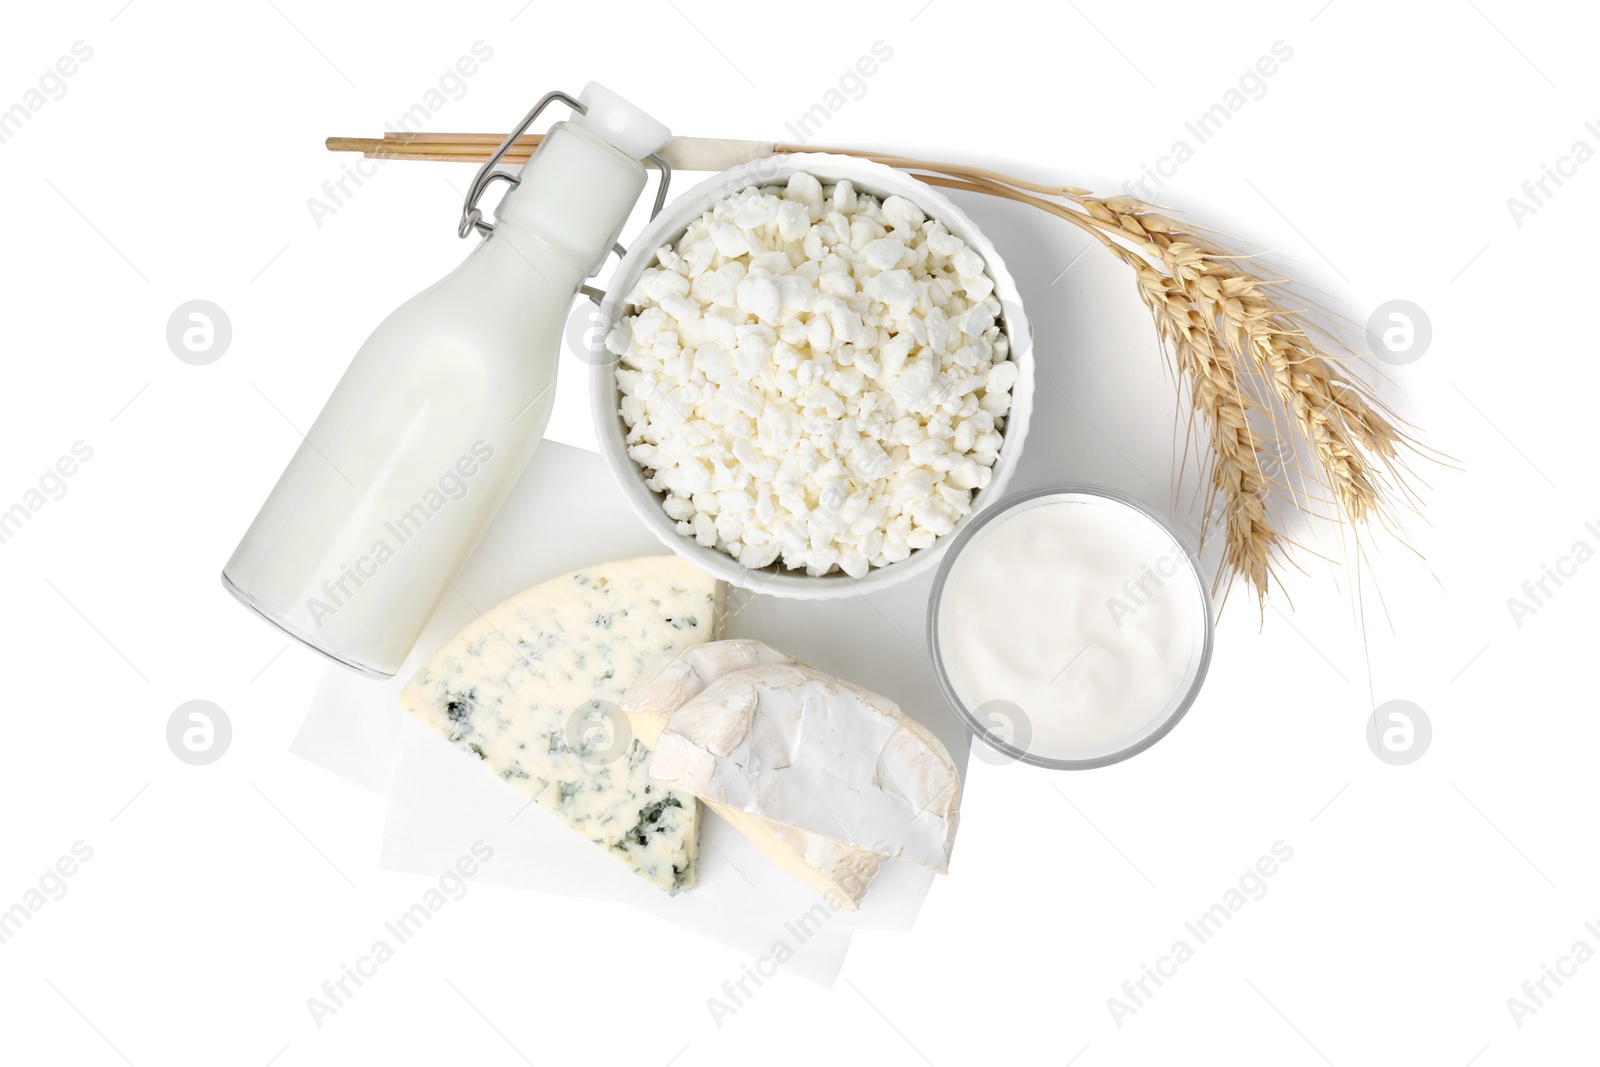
[814, 377]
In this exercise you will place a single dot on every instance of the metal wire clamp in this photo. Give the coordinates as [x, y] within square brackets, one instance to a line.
[472, 217]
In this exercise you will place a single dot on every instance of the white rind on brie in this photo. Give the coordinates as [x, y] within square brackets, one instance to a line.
[670, 682]
[800, 748]
[506, 689]
[828, 867]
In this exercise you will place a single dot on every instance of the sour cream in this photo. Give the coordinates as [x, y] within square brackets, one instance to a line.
[1072, 626]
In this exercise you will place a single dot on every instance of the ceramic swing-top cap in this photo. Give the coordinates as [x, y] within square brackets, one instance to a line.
[611, 117]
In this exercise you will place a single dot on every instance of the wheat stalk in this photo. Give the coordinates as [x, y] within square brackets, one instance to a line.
[1239, 351]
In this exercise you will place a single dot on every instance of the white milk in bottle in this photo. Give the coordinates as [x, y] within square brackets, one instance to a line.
[441, 409]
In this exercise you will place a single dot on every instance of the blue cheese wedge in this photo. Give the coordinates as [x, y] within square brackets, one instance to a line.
[528, 687]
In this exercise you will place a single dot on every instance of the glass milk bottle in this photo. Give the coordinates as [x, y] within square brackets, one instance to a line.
[443, 406]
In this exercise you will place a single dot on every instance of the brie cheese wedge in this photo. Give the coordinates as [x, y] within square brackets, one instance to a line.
[797, 747]
[530, 689]
[829, 868]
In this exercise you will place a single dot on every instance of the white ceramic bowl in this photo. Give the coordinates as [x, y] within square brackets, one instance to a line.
[667, 228]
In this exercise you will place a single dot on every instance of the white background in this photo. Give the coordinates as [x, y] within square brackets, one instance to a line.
[177, 165]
